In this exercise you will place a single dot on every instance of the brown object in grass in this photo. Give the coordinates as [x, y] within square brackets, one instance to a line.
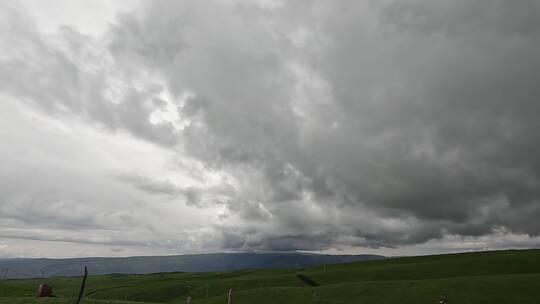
[44, 290]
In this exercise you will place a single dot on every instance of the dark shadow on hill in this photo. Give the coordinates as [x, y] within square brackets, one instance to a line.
[306, 280]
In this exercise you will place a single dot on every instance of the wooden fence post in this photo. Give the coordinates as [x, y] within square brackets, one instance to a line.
[188, 300]
[83, 283]
[229, 300]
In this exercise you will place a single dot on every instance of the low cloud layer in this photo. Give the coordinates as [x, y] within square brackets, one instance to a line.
[191, 126]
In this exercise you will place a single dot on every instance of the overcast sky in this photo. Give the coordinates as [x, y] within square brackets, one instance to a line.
[393, 127]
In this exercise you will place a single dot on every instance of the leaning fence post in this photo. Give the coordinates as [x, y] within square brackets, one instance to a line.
[229, 300]
[83, 283]
[188, 300]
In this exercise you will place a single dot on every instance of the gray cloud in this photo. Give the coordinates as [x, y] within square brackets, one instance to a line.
[430, 107]
[337, 124]
[194, 196]
[69, 73]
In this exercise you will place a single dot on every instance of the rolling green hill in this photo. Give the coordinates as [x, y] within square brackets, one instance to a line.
[485, 277]
[40, 268]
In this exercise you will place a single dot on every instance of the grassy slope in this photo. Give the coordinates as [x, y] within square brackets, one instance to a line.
[33, 300]
[501, 277]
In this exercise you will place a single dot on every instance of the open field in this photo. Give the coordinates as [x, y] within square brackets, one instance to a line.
[487, 277]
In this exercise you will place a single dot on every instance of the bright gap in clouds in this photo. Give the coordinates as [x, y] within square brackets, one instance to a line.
[64, 186]
[88, 17]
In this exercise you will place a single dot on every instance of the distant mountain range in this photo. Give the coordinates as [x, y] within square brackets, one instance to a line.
[37, 268]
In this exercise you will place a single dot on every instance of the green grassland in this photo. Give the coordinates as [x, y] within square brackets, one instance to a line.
[486, 277]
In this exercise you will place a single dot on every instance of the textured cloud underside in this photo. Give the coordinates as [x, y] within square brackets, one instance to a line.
[239, 125]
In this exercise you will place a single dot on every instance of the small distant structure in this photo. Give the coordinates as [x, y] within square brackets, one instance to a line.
[44, 290]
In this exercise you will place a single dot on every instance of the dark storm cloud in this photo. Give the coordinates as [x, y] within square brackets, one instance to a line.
[426, 112]
[366, 123]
